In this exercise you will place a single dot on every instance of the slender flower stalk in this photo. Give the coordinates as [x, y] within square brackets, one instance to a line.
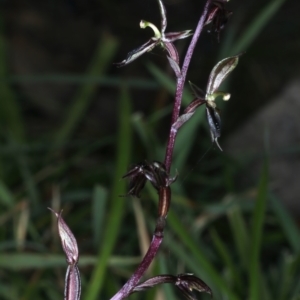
[128, 288]
[180, 85]
[158, 173]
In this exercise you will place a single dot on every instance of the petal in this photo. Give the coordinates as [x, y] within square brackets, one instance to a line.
[173, 36]
[136, 53]
[137, 179]
[219, 73]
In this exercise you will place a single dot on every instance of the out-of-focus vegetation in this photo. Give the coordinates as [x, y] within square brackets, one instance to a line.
[70, 126]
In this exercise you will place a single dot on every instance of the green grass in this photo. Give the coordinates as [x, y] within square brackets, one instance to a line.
[245, 245]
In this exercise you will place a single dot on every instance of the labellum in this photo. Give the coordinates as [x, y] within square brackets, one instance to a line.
[214, 123]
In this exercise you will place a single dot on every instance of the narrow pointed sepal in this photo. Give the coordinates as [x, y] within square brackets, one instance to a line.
[151, 282]
[174, 65]
[163, 14]
[188, 113]
[137, 180]
[136, 53]
[179, 35]
[173, 53]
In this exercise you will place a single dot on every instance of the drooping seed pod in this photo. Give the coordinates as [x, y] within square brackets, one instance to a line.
[72, 283]
[68, 240]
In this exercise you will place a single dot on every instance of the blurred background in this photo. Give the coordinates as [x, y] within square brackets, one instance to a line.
[72, 123]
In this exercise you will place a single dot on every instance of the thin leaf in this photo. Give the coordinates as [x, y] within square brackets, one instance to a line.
[257, 231]
[6, 196]
[226, 257]
[240, 234]
[168, 83]
[102, 60]
[17, 261]
[199, 256]
[10, 113]
[255, 28]
[99, 201]
[116, 210]
[287, 223]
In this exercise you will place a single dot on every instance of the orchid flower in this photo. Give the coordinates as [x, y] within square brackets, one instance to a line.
[165, 40]
[218, 74]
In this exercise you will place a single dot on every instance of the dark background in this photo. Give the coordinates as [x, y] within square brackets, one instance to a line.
[60, 114]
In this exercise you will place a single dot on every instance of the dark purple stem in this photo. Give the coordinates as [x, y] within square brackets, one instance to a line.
[180, 86]
[144, 265]
[157, 239]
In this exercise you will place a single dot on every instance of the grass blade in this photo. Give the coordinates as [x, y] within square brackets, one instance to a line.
[256, 26]
[17, 261]
[287, 223]
[9, 109]
[102, 59]
[116, 209]
[257, 230]
[240, 234]
[199, 256]
[6, 196]
[226, 258]
[99, 202]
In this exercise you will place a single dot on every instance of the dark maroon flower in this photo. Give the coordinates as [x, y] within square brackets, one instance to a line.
[165, 40]
[186, 283]
[155, 172]
[218, 16]
[218, 74]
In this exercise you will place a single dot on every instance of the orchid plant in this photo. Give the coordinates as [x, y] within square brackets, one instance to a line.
[158, 173]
